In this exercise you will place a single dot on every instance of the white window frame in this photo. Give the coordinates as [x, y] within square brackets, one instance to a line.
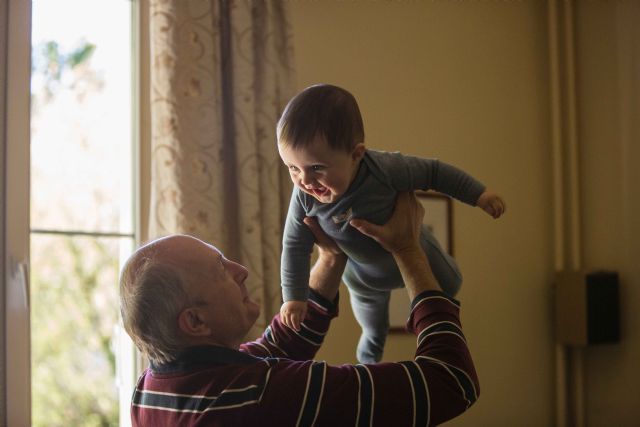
[15, 113]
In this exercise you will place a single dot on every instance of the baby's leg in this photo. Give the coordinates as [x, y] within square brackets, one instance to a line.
[371, 309]
[444, 267]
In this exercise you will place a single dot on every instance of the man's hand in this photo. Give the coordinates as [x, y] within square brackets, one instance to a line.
[293, 313]
[325, 243]
[492, 204]
[402, 231]
[401, 236]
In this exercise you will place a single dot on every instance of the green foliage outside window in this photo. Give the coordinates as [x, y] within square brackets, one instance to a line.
[74, 304]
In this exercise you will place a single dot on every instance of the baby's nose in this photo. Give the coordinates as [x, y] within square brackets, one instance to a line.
[306, 179]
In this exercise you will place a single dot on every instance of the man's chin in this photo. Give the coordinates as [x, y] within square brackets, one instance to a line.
[254, 309]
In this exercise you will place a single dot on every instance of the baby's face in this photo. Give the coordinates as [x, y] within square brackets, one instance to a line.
[321, 171]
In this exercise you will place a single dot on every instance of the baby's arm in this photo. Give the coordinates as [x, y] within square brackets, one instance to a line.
[491, 203]
[297, 245]
[412, 173]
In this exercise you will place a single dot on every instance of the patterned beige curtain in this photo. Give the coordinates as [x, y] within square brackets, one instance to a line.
[220, 76]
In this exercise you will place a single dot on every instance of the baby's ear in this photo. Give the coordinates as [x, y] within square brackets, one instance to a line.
[358, 151]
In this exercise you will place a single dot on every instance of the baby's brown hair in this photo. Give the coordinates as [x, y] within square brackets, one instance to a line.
[321, 111]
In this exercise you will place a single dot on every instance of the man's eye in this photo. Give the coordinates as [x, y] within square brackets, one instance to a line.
[317, 168]
[293, 169]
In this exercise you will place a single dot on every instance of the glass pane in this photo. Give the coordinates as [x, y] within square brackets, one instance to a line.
[81, 115]
[74, 313]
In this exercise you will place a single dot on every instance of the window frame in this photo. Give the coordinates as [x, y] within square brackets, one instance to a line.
[15, 248]
[15, 232]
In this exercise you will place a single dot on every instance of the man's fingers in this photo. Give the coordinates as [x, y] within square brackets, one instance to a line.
[365, 227]
[312, 223]
[316, 230]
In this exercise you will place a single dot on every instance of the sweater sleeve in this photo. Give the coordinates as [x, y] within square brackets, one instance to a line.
[407, 173]
[297, 246]
[439, 384]
[278, 340]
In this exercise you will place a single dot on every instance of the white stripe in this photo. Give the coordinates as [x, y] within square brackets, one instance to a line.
[315, 344]
[266, 381]
[320, 307]
[216, 408]
[359, 396]
[437, 323]
[446, 366]
[312, 330]
[324, 376]
[198, 396]
[440, 333]
[273, 342]
[193, 411]
[264, 347]
[413, 393]
[306, 392]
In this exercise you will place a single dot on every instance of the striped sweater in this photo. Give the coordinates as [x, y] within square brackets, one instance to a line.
[273, 381]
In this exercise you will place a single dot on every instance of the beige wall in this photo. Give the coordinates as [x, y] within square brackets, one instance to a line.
[464, 81]
[467, 81]
[608, 41]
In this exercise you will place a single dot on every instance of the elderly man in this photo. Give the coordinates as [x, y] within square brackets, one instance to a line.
[186, 308]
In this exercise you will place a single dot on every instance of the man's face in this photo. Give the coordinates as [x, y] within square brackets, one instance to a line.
[217, 284]
[319, 170]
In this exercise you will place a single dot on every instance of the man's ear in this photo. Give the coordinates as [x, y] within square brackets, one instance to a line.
[191, 322]
[358, 152]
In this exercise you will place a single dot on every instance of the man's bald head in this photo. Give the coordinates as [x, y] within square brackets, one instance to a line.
[153, 291]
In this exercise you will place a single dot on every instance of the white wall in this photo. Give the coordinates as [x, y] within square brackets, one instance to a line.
[466, 82]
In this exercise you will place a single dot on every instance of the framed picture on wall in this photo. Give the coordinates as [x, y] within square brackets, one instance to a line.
[438, 218]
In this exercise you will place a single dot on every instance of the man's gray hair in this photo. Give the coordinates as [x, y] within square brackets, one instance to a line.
[152, 295]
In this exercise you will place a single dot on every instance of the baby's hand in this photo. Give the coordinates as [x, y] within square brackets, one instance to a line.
[292, 313]
[491, 203]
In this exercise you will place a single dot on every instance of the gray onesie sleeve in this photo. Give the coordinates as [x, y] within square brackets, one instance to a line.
[297, 245]
[407, 173]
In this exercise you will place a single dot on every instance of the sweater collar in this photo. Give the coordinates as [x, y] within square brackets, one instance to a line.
[204, 355]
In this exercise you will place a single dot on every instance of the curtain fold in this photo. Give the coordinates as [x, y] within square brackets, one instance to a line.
[220, 76]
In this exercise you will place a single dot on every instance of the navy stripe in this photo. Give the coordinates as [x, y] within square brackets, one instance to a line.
[314, 394]
[421, 395]
[366, 397]
[268, 333]
[329, 306]
[427, 294]
[465, 382]
[312, 336]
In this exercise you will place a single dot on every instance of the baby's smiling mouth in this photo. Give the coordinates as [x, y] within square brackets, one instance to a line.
[318, 191]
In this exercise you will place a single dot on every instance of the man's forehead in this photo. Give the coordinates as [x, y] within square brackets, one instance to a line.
[181, 248]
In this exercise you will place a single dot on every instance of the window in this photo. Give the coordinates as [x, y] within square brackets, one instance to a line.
[82, 209]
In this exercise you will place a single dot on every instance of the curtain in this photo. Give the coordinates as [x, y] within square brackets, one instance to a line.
[220, 76]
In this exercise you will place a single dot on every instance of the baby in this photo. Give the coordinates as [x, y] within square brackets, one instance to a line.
[336, 179]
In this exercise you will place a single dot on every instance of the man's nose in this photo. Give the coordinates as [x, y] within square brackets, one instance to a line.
[240, 272]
